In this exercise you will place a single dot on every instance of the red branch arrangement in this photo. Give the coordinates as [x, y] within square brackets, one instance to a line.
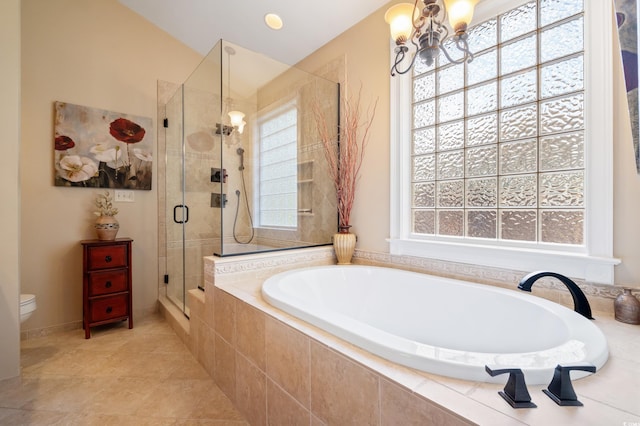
[344, 154]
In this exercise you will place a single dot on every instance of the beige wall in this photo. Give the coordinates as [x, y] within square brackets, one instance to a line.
[366, 48]
[100, 54]
[9, 188]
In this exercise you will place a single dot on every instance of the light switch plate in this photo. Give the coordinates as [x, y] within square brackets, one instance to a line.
[124, 196]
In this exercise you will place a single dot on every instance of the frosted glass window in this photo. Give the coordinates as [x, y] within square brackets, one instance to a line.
[562, 77]
[451, 136]
[556, 10]
[278, 188]
[451, 78]
[424, 140]
[451, 107]
[424, 87]
[482, 130]
[451, 193]
[483, 36]
[482, 224]
[482, 192]
[498, 143]
[519, 89]
[424, 221]
[451, 222]
[481, 99]
[424, 194]
[518, 55]
[483, 67]
[518, 21]
[561, 40]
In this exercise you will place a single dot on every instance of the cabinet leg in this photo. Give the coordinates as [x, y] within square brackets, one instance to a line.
[130, 321]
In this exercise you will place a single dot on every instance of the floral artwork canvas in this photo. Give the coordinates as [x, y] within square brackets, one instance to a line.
[95, 148]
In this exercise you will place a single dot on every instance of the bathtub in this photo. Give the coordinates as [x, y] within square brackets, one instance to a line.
[442, 326]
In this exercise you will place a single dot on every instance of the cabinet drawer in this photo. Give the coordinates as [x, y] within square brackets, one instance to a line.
[106, 282]
[101, 257]
[109, 307]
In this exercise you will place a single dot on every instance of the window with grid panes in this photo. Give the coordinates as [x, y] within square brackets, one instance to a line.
[278, 180]
[497, 146]
[507, 161]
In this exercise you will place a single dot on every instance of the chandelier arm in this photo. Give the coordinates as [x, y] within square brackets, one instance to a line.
[416, 27]
[400, 55]
[463, 45]
[449, 58]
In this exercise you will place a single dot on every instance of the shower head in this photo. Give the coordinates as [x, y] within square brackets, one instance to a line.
[230, 50]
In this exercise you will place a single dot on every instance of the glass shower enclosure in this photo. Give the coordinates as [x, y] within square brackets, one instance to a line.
[245, 170]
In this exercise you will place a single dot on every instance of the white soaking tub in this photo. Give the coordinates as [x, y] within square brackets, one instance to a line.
[442, 326]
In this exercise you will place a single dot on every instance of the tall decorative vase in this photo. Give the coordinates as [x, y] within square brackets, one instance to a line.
[627, 308]
[344, 243]
[107, 228]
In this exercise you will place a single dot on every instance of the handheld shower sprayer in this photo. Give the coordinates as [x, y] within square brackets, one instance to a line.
[240, 152]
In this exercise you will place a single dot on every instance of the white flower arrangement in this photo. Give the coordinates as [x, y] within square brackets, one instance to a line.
[105, 206]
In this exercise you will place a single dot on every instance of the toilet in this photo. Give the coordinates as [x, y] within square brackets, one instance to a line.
[27, 306]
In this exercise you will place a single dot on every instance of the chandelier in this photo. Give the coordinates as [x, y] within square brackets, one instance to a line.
[427, 32]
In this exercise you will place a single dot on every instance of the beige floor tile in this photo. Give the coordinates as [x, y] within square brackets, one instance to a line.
[143, 376]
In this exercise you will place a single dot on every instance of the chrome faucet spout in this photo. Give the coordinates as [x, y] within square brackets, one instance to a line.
[580, 302]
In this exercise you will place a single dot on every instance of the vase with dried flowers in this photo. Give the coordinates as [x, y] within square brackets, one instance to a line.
[344, 152]
[106, 225]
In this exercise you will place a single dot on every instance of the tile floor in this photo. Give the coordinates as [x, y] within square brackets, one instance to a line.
[142, 376]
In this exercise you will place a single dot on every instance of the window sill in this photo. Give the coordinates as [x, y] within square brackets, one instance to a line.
[593, 269]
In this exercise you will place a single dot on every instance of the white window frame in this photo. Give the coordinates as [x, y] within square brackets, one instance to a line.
[268, 114]
[593, 261]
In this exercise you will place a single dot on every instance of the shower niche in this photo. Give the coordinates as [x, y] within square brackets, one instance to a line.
[245, 170]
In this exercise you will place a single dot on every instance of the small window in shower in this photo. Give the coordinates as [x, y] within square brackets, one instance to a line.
[278, 171]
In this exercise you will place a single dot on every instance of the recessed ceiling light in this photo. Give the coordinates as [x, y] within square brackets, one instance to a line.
[273, 21]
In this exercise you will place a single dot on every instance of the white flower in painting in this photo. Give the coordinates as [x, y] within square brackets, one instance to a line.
[142, 154]
[110, 154]
[77, 169]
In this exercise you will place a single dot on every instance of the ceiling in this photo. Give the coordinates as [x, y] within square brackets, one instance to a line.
[308, 25]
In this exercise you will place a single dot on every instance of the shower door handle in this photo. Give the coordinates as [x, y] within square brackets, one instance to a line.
[186, 215]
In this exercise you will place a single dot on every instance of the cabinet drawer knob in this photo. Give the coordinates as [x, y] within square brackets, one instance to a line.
[108, 284]
[109, 309]
[107, 258]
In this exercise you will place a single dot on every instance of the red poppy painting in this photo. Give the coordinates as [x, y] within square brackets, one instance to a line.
[96, 148]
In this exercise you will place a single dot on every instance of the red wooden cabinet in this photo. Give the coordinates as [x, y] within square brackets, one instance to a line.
[106, 283]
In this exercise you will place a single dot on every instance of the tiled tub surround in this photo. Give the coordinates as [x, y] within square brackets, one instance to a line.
[280, 370]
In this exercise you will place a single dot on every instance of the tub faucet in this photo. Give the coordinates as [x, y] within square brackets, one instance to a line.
[580, 302]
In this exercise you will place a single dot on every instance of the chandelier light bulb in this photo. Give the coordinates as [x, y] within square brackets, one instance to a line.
[399, 18]
[460, 13]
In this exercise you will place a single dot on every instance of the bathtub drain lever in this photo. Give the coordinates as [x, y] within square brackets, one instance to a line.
[515, 392]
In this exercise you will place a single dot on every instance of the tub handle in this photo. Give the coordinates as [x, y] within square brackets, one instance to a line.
[515, 392]
[560, 389]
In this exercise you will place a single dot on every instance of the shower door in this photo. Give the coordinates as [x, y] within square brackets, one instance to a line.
[194, 179]
[176, 212]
